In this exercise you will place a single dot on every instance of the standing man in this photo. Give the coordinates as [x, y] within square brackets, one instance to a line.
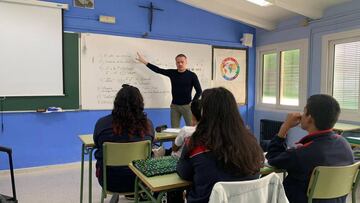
[182, 83]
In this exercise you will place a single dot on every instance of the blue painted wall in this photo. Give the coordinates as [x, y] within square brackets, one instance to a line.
[44, 139]
[336, 19]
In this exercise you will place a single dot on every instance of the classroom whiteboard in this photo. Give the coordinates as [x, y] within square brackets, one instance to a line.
[31, 50]
[108, 61]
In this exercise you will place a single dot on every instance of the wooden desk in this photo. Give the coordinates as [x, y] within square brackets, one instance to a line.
[354, 141]
[165, 183]
[163, 137]
[269, 169]
[87, 148]
[342, 127]
[160, 184]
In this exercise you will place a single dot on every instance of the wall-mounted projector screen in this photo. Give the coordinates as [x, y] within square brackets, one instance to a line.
[31, 49]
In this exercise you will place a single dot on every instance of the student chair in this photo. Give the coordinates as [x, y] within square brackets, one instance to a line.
[267, 189]
[121, 154]
[4, 198]
[329, 182]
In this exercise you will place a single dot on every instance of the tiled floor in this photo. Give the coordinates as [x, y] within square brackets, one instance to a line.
[57, 184]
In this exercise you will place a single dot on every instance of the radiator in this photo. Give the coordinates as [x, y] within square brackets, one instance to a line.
[268, 129]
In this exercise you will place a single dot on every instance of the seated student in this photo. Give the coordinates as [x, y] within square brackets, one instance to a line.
[187, 131]
[127, 123]
[221, 148]
[321, 147]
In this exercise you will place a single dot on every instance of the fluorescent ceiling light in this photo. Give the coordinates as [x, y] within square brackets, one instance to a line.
[260, 2]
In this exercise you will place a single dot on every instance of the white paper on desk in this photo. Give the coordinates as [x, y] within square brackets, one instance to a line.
[171, 130]
[266, 161]
[355, 138]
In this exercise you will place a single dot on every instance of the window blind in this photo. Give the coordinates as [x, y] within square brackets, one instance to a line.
[269, 78]
[346, 75]
[289, 78]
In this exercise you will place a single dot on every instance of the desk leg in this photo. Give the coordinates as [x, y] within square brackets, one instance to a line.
[90, 174]
[148, 192]
[139, 185]
[82, 173]
[160, 196]
[136, 190]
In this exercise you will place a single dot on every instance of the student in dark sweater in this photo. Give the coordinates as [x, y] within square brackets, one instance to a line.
[321, 147]
[182, 83]
[127, 123]
[221, 148]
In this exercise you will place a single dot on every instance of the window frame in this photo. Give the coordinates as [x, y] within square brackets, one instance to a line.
[327, 68]
[302, 45]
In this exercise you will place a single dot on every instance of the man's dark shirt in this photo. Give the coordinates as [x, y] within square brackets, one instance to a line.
[181, 84]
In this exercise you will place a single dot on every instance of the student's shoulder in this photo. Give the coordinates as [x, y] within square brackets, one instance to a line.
[150, 122]
[104, 120]
[198, 151]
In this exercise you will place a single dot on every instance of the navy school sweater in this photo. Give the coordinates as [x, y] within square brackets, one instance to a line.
[321, 148]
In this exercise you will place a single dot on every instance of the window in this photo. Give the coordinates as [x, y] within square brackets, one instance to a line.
[342, 69]
[282, 77]
[268, 82]
[346, 74]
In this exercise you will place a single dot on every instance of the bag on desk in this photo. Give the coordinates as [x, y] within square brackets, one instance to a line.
[160, 128]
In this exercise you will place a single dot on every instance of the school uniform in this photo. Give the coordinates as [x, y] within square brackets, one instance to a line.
[204, 170]
[119, 178]
[321, 148]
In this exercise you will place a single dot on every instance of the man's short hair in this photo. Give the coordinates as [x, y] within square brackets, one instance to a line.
[180, 55]
[324, 109]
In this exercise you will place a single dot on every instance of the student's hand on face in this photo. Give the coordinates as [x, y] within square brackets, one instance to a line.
[292, 120]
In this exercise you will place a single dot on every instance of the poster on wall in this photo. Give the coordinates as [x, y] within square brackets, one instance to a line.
[230, 71]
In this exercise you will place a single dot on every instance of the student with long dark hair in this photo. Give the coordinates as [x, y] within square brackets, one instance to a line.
[221, 148]
[127, 123]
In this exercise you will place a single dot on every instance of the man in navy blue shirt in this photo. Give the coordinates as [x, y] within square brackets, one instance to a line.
[182, 83]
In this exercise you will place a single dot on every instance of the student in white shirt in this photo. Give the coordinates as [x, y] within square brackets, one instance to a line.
[187, 131]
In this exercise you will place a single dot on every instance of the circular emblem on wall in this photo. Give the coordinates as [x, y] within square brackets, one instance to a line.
[230, 68]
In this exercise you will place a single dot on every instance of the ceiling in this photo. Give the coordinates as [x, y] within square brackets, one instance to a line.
[265, 17]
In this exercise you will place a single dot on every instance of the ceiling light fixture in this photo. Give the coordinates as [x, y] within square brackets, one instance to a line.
[260, 2]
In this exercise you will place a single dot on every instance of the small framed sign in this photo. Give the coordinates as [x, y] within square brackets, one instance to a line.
[84, 4]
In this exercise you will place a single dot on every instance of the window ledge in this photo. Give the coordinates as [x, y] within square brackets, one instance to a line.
[277, 109]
